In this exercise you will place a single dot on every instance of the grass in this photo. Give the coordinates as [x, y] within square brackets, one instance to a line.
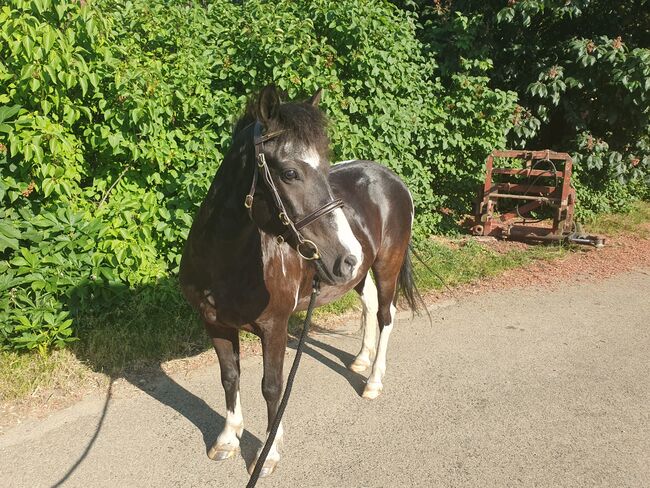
[154, 324]
[634, 222]
[22, 375]
[149, 326]
[447, 263]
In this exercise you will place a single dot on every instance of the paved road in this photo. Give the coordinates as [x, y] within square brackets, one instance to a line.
[525, 388]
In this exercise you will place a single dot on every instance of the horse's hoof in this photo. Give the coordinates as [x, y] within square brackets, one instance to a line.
[267, 469]
[372, 390]
[359, 365]
[219, 453]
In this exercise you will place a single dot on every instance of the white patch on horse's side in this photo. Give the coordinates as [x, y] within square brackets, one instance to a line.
[370, 302]
[234, 427]
[347, 237]
[374, 384]
[345, 162]
[295, 303]
[412, 205]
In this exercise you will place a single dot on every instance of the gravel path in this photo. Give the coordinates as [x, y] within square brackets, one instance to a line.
[526, 387]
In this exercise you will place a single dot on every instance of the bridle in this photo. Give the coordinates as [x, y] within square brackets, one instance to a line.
[305, 247]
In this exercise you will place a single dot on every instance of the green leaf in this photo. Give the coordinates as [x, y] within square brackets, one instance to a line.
[48, 186]
[49, 37]
[8, 242]
[7, 113]
[28, 44]
[84, 85]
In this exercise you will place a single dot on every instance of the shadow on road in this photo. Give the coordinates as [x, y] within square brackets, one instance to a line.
[168, 392]
[89, 446]
[357, 381]
[128, 333]
[210, 423]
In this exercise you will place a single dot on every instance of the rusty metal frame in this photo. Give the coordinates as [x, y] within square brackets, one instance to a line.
[522, 187]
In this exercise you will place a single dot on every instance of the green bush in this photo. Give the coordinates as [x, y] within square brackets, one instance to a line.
[581, 72]
[114, 116]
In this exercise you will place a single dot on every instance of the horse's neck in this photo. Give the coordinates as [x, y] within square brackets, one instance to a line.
[231, 238]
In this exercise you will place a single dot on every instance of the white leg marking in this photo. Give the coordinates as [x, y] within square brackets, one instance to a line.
[369, 300]
[228, 441]
[347, 237]
[374, 384]
[274, 453]
[273, 457]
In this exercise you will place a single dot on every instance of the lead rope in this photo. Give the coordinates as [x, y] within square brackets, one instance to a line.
[287, 390]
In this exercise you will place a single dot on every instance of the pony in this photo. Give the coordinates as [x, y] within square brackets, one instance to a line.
[277, 216]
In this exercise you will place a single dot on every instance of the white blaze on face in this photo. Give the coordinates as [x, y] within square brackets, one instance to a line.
[311, 157]
[343, 230]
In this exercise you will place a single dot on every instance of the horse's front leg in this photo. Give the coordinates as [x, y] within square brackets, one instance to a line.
[370, 301]
[274, 343]
[226, 343]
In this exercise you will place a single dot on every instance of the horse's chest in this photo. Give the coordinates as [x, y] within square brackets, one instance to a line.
[230, 305]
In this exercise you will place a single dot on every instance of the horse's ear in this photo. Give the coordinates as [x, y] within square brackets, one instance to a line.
[315, 98]
[268, 103]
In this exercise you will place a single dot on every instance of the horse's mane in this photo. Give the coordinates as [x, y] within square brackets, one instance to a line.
[299, 121]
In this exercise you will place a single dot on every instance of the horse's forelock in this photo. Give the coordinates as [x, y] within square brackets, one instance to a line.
[305, 123]
[299, 121]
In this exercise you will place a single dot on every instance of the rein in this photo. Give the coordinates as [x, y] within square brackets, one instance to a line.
[306, 248]
[287, 390]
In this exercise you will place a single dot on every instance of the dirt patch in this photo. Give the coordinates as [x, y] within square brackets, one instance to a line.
[621, 254]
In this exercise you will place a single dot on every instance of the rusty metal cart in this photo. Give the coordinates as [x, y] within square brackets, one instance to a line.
[542, 182]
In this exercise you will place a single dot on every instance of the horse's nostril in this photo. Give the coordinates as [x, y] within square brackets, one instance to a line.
[350, 262]
[344, 266]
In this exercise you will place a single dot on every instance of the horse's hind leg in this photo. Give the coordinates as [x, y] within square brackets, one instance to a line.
[368, 294]
[226, 344]
[386, 273]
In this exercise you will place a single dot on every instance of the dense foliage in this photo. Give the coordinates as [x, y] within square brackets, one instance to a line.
[581, 69]
[115, 114]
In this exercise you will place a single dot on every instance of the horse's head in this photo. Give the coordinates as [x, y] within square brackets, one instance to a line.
[292, 139]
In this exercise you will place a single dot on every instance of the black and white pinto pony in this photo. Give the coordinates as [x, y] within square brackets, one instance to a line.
[257, 244]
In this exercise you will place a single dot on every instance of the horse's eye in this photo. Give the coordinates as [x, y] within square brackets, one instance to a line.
[289, 174]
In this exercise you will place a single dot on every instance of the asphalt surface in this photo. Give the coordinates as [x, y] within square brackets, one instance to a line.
[531, 387]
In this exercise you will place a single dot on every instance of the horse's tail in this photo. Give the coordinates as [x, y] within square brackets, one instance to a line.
[406, 284]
